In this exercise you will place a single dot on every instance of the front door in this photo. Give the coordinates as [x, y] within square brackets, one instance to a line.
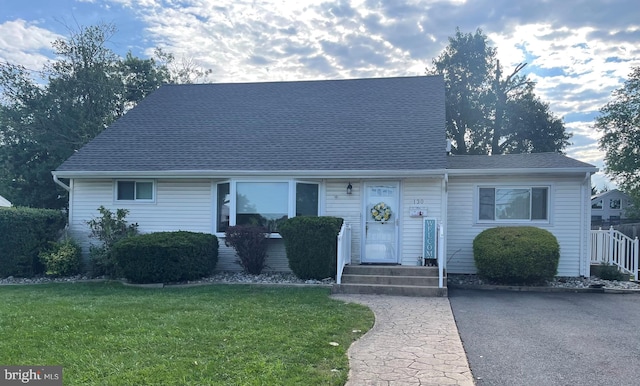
[381, 211]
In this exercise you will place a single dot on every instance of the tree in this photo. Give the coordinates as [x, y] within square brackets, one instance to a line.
[186, 72]
[619, 122]
[487, 113]
[84, 91]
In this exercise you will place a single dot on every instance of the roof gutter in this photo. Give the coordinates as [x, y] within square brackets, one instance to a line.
[519, 171]
[434, 173]
[57, 181]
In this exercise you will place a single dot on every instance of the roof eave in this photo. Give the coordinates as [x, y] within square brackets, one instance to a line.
[520, 171]
[86, 174]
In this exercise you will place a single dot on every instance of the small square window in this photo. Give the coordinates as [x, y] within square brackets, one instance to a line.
[134, 190]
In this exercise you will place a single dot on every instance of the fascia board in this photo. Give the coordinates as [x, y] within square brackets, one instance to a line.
[519, 171]
[433, 173]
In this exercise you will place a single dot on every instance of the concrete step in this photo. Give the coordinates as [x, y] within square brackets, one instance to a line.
[391, 280]
[394, 290]
[390, 270]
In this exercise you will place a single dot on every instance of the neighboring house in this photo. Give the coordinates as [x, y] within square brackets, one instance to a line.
[203, 157]
[4, 202]
[608, 208]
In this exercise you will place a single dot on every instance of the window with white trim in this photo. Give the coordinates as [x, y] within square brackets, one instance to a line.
[513, 204]
[264, 203]
[134, 190]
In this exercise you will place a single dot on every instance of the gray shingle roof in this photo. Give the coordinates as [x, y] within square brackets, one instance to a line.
[515, 161]
[360, 124]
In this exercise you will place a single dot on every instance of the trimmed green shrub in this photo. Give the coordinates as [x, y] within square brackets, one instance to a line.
[250, 243]
[516, 255]
[109, 228]
[608, 271]
[24, 233]
[63, 259]
[165, 257]
[311, 245]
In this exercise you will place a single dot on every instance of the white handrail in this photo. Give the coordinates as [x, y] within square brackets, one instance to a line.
[613, 247]
[441, 259]
[344, 250]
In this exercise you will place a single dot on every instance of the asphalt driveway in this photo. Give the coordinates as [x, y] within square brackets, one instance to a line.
[527, 338]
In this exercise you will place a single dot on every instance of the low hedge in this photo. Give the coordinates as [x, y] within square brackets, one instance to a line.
[165, 257]
[311, 245]
[516, 255]
[24, 233]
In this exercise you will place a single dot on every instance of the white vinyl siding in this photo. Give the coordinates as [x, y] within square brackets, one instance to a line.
[349, 207]
[180, 205]
[346, 206]
[418, 193]
[276, 257]
[565, 221]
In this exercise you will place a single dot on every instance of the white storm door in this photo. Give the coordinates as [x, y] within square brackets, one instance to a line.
[381, 209]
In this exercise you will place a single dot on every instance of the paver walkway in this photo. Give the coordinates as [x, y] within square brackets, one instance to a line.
[414, 341]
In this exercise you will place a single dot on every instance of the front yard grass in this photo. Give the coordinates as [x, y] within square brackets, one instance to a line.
[110, 334]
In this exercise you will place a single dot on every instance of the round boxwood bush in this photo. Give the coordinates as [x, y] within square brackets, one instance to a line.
[311, 245]
[165, 257]
[516, 255]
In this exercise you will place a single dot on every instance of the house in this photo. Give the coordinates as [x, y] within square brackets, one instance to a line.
[608, 208]
[372, 151]
[4, 202]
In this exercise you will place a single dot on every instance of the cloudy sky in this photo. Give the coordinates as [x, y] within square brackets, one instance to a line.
[578, 52]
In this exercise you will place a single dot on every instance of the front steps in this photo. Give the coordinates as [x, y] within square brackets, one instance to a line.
[390, 280]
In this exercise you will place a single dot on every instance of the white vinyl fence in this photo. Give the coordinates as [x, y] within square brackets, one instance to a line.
[610, 246]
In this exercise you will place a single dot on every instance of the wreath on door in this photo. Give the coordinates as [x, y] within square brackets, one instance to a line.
[381, 212]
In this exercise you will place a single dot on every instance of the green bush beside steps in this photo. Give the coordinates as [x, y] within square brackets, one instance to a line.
[311, 245]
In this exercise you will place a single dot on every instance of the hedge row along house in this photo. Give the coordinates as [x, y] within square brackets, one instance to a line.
[371, 151]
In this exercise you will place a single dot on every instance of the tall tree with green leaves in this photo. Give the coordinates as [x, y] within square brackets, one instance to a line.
[42, 124]
[488, 113]
[619, 123]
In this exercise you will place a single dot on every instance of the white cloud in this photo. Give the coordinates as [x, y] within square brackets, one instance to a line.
[578, 52]
[25, 43]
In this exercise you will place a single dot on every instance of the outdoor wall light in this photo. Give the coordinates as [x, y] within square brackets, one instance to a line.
[349, 188]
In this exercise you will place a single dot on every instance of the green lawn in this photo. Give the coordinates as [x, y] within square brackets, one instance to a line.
[109, 334]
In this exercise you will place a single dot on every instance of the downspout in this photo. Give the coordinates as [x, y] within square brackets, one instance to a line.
[68, 189]
[57, 181]
[585, 259]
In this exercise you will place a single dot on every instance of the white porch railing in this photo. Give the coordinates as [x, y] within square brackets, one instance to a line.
[344, 250]
[442, 262]
[614, 247]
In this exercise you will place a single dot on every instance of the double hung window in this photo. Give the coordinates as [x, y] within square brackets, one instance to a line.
[513, 204]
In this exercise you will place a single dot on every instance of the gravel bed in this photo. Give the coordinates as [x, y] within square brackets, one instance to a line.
[219, 277]
[288, 278]
[558, 282]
